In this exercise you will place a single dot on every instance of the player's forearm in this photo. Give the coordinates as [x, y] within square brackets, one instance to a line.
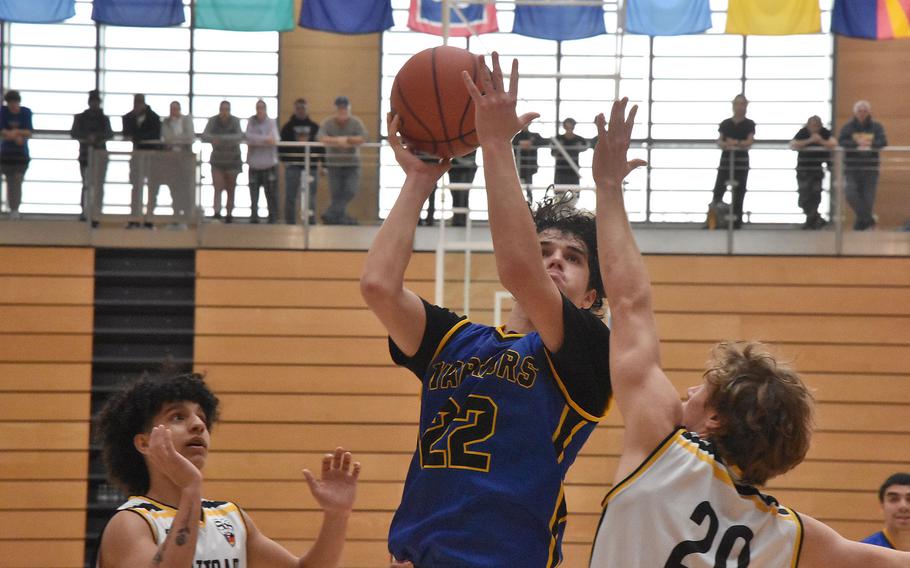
[390, 253]
[515, 245]
[625, 277]
[326, 551]
[179, 548]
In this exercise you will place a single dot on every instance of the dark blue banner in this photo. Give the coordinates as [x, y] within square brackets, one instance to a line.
[348, 16]
[138, 13]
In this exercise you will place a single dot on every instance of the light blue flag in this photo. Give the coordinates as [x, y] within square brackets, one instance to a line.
[667, 17]
[245, 15]
[37, 11]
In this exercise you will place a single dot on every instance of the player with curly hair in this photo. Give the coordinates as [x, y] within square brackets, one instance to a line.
[155, 437]
[504, 410]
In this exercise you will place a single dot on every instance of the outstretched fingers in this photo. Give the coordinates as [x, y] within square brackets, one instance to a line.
[471, 87]
[497, 74]
[513, 79]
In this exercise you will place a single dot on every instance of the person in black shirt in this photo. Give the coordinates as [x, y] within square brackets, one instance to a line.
[573, 146]
[299, 128]
[92, 129]
[736, 136]
[813, 142]
[526, 144]
[142, 126]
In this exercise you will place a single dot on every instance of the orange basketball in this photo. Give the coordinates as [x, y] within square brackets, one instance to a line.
[435, 109]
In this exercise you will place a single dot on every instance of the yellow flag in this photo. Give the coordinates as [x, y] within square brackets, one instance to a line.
[773, 17]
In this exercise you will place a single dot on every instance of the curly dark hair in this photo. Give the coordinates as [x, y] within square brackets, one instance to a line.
[765, 410]
[559, 212]
[130, 412]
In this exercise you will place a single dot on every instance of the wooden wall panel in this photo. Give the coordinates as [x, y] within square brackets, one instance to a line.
[300, 373]
[46, 297]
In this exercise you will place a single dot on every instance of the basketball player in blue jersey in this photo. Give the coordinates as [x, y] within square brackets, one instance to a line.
[504, 411]
[155, 441]
[684, 491]
[894, 496]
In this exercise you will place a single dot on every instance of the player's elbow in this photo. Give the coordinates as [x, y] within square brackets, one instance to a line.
[375, 288]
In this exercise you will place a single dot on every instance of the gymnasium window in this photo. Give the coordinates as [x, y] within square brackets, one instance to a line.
[683, 86]
[55, 65]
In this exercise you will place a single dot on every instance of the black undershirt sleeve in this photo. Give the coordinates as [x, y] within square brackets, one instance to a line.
[439, 322]
[583, 361]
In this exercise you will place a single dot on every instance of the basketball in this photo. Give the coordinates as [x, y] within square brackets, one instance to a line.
[435, 110]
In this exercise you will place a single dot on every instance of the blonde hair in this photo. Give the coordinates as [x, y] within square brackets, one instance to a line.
[765, 411]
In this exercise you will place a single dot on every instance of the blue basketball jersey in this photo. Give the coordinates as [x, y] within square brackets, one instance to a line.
[499, 428]
[879, 539]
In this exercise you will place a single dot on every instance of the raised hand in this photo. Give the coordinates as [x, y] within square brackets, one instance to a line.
[165, 457]
[409, 162]
[336, 490]
[495, 116]
[611, 164]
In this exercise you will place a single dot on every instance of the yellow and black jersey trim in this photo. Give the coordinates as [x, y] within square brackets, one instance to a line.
[570, 422]
[560, 513]
[798, 541]
[565, 393]
[643, 467]
[448, 336]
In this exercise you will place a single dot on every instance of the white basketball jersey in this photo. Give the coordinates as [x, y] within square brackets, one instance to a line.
[682, 509]
[222, 532]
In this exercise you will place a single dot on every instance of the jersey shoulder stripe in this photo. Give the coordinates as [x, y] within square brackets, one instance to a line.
[448, 336]
[641, 469]
[565, 393]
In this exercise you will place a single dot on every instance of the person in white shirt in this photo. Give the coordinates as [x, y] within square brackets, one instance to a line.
[262, 156]
[177, 163]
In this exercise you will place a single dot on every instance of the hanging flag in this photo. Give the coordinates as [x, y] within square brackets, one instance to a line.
[559, 22]
[37, 11]
[348, 16]
[138, 13]
[667, 17]
[872, 19]
[773, 17]
[245, 15]
[464, 19]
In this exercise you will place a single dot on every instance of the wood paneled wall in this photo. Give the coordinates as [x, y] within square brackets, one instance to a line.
[46, 297]
[301, 366]
[877, 72]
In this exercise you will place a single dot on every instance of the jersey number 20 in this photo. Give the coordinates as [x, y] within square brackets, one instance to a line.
[731, 535]
[447, 441]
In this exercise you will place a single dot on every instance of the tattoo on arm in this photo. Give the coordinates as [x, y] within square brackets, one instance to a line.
[182, 534]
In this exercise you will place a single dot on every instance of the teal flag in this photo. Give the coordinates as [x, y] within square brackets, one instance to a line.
[245, 15]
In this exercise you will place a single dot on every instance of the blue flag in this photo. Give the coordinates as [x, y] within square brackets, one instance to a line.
[347, 16]
[559, 22]
[245, 15]
[138, 13]
[464, 21]
[37, 11]
[667, 17]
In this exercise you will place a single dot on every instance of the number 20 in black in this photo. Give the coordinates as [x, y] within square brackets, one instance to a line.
[687, 547]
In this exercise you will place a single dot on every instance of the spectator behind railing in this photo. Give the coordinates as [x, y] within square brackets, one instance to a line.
[526, 144]
[15, 129]
[142, 126]
[567, 147]
[299, 128]
[262, 157]
[177, 162]
[224, 134]
[342, 135]
[813, 142]
[862, 138]
[737, 134]
[92, 128]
